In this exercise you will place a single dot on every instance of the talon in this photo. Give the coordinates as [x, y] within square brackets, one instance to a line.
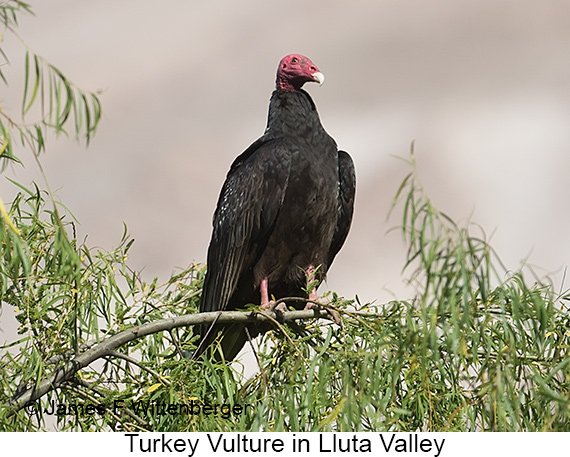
[311, 305]
[274, 306]
[334, 315]
[279, 307]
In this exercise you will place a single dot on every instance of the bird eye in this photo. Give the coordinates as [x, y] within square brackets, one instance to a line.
[294, 60]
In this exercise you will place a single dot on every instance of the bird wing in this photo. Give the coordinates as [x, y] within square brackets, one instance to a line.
[346, 193]
[247, 209]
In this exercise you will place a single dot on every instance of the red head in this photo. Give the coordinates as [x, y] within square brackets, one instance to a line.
[295, 70]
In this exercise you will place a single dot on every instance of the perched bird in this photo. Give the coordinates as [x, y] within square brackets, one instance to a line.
[283, 213]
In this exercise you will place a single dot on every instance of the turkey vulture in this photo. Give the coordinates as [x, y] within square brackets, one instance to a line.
[283, 213]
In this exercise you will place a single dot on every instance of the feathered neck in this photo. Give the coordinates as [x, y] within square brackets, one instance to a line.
[291, 112]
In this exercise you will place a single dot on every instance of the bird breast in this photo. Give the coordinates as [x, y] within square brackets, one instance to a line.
[306, 222]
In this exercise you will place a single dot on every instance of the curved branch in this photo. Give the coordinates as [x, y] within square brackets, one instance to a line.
[108, 345]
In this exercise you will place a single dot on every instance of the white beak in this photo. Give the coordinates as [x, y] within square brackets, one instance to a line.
[319, 78]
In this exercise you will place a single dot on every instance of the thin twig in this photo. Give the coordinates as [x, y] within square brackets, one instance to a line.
[280, 327]
[92, 399]
[108, 345]
[129, 359]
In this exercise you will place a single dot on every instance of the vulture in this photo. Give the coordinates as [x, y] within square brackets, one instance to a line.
[282, 216]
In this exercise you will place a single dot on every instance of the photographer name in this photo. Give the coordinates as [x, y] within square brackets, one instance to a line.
[141, 408]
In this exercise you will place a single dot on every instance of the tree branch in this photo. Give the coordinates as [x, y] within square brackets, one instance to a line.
[108, 346]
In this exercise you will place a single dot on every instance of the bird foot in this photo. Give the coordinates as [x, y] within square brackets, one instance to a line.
[310, 305]
[334, 315]
[274, 306]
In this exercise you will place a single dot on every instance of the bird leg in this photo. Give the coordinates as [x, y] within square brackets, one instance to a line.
[313, 297]
[265, 302]
[313, 294]
[264, 294]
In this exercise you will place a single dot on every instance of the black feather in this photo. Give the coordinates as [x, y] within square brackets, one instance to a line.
[286, 204]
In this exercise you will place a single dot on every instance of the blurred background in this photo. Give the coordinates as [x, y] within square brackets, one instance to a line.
[482, 87]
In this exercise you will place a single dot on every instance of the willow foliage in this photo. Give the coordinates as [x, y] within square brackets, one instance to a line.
[477, 347]
[50, 99]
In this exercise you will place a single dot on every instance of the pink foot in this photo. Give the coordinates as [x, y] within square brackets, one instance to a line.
[334, 315]
[313, 297]
[278, 307]
[269, 304]
[311, 305]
